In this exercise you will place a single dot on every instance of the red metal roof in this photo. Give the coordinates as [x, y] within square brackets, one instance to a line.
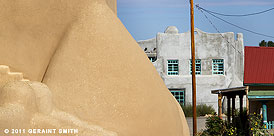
[259, 65]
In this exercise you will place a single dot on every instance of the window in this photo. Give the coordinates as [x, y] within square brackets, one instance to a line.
[198, 66]
[179, 94]
[172, 67]
[152, 59]
[217, 66]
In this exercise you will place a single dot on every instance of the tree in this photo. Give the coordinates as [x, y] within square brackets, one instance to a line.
[263, 43]
[270, 44]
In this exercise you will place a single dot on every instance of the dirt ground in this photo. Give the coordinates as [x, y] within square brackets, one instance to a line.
[200, 123]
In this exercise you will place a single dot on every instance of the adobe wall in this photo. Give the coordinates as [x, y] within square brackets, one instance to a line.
[113, 5]
[174, 45]
[96, 72]
[111, 68]
[7, 76]
[31, 30]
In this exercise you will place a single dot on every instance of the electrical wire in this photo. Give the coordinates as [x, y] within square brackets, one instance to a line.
[237, 15]
[234, 24]
[219, 31]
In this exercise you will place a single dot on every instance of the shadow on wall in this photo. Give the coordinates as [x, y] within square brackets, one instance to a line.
[97, 74]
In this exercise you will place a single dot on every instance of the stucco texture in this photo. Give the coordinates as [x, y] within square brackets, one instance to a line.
[95, 70]
[32, 29]
[27, 105]
[172, 45]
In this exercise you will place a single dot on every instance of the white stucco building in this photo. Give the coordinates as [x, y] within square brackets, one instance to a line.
[219, 62]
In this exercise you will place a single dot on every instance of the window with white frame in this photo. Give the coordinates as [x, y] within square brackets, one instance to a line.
[179, 95]
[217, 66]
[172, 67]
[198, 67]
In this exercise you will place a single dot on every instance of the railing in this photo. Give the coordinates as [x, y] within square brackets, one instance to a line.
[269, 125]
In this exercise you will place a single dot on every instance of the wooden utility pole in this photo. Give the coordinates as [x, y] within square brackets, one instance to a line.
[193, 69]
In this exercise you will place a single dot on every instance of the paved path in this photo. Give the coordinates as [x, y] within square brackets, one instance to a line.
[200, 123]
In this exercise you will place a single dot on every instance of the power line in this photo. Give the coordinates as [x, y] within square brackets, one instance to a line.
[234, 24]
[237, 15]
[219, 31]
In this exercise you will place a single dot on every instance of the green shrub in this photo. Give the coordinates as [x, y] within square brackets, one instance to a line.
[187, 110]
[241, 123]
[204, 109]
[257, 126]
[214, 126]
[218, 127]
[201, 109]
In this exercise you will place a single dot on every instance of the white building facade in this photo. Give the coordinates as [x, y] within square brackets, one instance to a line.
[219, 62]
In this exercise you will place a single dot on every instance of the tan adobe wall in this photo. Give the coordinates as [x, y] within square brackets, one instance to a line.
[113, 5]
[95, 70]
[7, 76]
[31, 30]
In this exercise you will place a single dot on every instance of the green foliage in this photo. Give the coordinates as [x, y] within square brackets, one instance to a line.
[263, 43]
[241, 123]
[187, 110]
[218, 127]
[231, 131]
[256, 125]
[242, 126]
[201, 109]
[204, 109]
[270, 44]
[214, 126]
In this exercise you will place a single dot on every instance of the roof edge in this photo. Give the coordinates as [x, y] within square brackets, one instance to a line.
[258, 84]
[258, 47]
[219, 91]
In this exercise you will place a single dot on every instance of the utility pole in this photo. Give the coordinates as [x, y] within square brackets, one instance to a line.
[193, 69]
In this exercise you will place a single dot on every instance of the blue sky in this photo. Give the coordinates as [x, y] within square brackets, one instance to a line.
[145, 18]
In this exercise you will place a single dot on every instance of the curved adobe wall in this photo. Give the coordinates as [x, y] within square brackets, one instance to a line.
[98, 72]
[99, 58]
[30, 31]
[113, 5]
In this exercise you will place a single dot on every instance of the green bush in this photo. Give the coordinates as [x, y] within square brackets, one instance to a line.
[241, 123]
[218, 127]
[201, 110]
[214, 127]
[257, 128]
[187, 110]
[204, 109]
